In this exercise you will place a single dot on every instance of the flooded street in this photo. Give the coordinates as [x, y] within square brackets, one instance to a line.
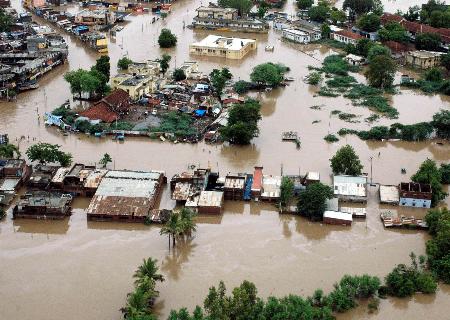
[75, 269]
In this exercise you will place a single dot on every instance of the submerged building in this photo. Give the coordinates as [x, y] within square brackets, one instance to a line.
[413, 194]
[217, 46]
[227, 19]
[126, 196]
[43, 205]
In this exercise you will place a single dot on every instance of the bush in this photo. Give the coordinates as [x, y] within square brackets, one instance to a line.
[123, 63]
[314, 78]
[121, 125]
[331, 138]
[341, 82]
[381, 105]
[179, 75]
[242, 86]
[167, 39]
[335, 64]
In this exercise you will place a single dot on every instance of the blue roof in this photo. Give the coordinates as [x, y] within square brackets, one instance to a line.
[200, 113]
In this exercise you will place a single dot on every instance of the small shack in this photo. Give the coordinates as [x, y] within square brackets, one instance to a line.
[389, 194]
[210, 202]
[234, 187]
[43, 205]
[337, 218]
[350, 188]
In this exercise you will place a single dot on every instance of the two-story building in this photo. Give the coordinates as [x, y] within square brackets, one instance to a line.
[226, 19]
[217, 46]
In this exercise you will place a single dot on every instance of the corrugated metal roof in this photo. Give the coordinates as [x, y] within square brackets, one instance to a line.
[60, 175]
[94, 178]
[152, 175]
[9, 184]
[210, 199]
[126, 187]
[338, 215]
[350, 185]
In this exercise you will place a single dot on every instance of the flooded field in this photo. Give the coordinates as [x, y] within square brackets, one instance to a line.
[75, 269]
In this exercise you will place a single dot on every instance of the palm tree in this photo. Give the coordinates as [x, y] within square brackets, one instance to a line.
[187, 222]
[148, 270]
[172, 227]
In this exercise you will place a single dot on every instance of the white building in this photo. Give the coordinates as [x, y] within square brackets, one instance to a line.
[296, 36]
[217, 46]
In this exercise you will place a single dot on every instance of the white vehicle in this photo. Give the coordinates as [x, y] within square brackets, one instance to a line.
[154, 112]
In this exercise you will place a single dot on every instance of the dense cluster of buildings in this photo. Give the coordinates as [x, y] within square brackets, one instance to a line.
[27, 52]
[120, 195]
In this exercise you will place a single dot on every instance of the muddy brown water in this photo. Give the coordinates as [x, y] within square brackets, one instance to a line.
[75, 269]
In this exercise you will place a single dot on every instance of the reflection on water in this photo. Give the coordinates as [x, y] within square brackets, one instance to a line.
[173, 262]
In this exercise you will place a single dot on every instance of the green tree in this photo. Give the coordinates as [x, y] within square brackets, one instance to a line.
[358, 7]
[242, 124]
[267, 74]
[6, 21]
[441, 122]
[8, 151]
[434, 75]
[412, 14]
[48, 153]
[103, 66]
[369, 22]
[393, 31]
[346, 162]
[123, 63]
[187, 222]
[377, 50]
[312, 201]
[445, 173]
[218, 81]
[304, 4]
[325, 31]
[243, 6]
[178, 75]
[319, 13]
[381, 72]
[164, 62]
[105, 160]
[337, 16]
[286, 192]
[428, 41]
[148, 269]
[445, 61]
[429, 173]
[74, 80]
[167, 39]
[363, 46]
[172, 228]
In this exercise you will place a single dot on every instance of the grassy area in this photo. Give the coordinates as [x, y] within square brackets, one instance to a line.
[380, 104]
[178, 124]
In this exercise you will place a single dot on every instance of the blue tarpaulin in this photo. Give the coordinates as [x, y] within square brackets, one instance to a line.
[200, 113]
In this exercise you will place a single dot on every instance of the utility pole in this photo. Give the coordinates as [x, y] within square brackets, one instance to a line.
[371, 171]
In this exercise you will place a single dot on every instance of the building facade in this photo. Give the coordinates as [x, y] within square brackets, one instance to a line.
[217, 46]
[423, 59]
[296, 36]
[414, 194]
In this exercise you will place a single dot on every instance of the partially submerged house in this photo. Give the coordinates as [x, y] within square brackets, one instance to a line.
[271, 188]
[227, 19]
[13, 174]
[389, 194]
[346, 36]
[413, 194]
[337, 218]
[217, 46]
[423, 59]
[350, 188]
[41, 177]
[296, 36]
[210, 202]
[43, 205]
[127, 196]
[234, 186]
[110, 108]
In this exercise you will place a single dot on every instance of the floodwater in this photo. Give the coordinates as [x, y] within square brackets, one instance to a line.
[75, 269]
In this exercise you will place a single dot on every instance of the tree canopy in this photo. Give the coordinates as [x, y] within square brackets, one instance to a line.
[105, 160]
[123, 63]
[167, 39]
[346, 162]
[428, 41]
[8, 151]
[164, 62]
[92, 82]
[369, 22]
[219, 78]
[103, 66]
[286, 192]
[242, 124]
[312, 200]
[429, 173]
[393, 31]
[304, 4]
[358, 7]
[269, 73]
[178, 74]
[5, 21]
[48, 153]
[319, 13]
[381, 71]
[441, 122]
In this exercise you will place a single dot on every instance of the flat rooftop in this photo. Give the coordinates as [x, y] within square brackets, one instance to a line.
[219, 42]
[389, 194]
[350, 185]
[210, 199]
[45, 199]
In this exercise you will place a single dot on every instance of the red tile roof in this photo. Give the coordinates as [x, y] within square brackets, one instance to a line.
[100, 111]
[416, 27]
[398, 47]
[116, 98]
[349, 34]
